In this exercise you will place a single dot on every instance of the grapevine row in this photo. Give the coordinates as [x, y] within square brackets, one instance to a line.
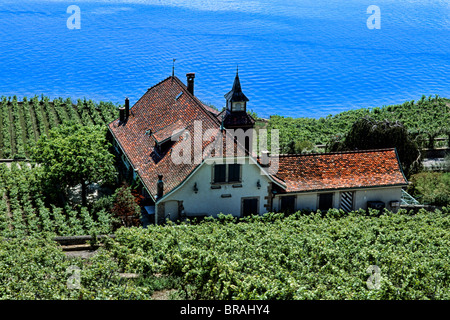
[23, 211]
[425, 119]
[22, 122]
[303, 256]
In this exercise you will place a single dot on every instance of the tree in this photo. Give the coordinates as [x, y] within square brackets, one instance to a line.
[127, 206]
[300, 146]
[367, 133]
[73, 154]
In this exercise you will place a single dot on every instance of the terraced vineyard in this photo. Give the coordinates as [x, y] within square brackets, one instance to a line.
[23, 211]
[426, 119]
[22, 122]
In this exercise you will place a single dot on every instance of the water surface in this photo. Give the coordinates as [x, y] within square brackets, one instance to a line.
[298, 58]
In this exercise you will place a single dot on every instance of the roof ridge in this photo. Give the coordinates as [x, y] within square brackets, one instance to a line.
[157, 84]
[334, 152]
[143, 96]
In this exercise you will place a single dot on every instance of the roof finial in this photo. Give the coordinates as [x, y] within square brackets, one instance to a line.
[173, 67]
[237, 69]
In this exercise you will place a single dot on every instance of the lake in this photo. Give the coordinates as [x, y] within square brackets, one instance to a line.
[300, 58]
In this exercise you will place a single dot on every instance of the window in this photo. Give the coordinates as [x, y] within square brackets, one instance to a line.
[219, 173]
[238, 106]
[234, 172]
[287, 204]
[325, 201]
[224, 173]
[249, 206]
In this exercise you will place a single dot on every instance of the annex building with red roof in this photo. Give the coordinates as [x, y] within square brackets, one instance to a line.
[191, 161]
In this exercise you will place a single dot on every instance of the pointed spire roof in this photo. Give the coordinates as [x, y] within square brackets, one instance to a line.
[236, 93]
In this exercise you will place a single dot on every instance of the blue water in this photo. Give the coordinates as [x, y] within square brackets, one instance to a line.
[301, 58]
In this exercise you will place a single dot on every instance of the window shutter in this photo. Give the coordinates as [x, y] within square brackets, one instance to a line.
[234, 172]
[219, 173]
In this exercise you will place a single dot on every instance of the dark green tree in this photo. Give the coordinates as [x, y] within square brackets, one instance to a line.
[368, 133]
[73, 154]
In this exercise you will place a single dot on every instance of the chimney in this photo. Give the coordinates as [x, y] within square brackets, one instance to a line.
[159, 187]
[190, 82]
[121, 114]
[265, 158]
[127, 108]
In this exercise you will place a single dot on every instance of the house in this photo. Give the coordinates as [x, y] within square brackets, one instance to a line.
[193, 160]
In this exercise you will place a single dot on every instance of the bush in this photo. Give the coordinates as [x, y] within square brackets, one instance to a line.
[431, 188]
[126, 206]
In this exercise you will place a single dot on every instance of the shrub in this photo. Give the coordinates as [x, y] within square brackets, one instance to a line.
[126, 206]
[431, 188]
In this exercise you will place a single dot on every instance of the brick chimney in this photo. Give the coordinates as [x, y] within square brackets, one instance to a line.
[127, 108]
[265, 158]
[190, 82]
[121, 115]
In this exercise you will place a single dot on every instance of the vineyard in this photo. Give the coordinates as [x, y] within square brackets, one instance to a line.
[426, 119]
[307, 255]
[24, 213]
[302, 256]
[22, 122]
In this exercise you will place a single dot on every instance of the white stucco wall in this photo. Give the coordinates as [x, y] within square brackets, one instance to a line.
[380, 194]
[361, 196]
[208, 201]
[171, 207]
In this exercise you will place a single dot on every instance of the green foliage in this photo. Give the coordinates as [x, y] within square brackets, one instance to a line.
[38, 269]
[22, 122]
[312, 256]
[302, 256]
[126, 207]
[73, 154]
[427, 115]
[431, 188]
[24, 212]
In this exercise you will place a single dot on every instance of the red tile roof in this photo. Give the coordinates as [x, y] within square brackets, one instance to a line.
[157, 110]
[340, 170]
[166, 133]
[159, 113]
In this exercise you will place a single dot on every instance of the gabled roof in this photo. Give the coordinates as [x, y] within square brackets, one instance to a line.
[340, 170]
[158, 110]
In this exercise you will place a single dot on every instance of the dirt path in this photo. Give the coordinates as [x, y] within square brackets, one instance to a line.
[162, 295]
